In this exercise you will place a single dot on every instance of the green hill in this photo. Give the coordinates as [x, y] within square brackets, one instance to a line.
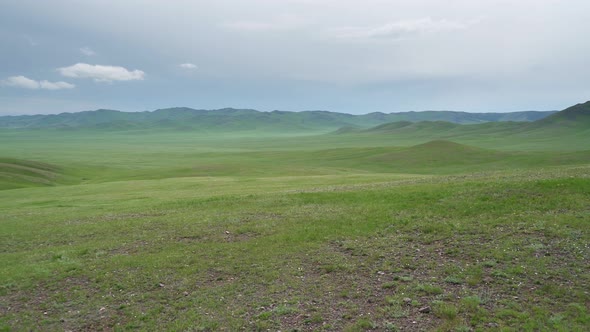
[440, 154]
[16, 173]
[564, 130]
[432, 157]
[389, 126]
[230, 119]
[577, 116]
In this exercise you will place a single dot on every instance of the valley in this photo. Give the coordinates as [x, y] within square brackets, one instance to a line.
[396, 226]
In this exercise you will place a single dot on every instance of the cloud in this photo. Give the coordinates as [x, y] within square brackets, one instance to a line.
[21, 82]
[101, 73]
[278, 23]
[87, 51]
[27, 83]
[401, 29]
[189, 66]
[251, 26]
[55, 85]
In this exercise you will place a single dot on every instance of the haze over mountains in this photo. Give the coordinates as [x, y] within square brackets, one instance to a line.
[552, 132]
[403, 145]
[230, 119]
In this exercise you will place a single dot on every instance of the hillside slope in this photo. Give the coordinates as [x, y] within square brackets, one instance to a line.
[577, 116]
[229, 119]
[16, 173]
[568, 129]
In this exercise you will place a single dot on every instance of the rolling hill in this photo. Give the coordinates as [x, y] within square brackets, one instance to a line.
[564, 130]
[577, 116]
[16, 173]
[230, 119]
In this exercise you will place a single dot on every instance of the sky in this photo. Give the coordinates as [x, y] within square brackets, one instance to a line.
[293, 55]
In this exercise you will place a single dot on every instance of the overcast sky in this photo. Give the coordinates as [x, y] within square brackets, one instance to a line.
[338, 55]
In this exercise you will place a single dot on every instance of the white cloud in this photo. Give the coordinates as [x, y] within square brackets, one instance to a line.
[101, 73]
[401, 29]
[349, 45]
[21, 82]
[87, 51]
[27, 83]
[55, 85]
[189, 66]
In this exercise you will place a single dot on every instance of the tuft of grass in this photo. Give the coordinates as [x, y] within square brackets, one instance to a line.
[282, 310]
[445, 310]
[429, 289]
[389, 285]
[403, 278]
[470, 303]
[362, 324]
[454, 280]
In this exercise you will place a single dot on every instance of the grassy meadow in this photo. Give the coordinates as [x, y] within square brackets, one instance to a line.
[457, 228]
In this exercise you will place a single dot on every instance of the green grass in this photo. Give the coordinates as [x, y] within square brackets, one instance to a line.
[92, 157]
[178, 231]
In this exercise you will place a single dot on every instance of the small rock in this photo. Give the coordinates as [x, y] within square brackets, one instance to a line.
[102, 309]
[226, 232]
[161, 285]
[407, 300]
[185, 293]
[380, 272]
[424, 310]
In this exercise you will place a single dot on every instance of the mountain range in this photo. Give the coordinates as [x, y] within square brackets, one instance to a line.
[573, 121]
[230, 119]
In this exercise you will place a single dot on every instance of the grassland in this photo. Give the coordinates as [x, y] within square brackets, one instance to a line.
[373, 230]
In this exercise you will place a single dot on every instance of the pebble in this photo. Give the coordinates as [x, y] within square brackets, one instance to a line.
[424, 310]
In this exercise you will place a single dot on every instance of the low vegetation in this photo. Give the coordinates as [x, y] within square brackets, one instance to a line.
[16, 173]
[337, 232]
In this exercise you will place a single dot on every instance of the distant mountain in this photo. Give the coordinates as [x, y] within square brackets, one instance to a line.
[570, 125]
[230, 119]
[460, 117]
[414, 126]
[575, 116]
